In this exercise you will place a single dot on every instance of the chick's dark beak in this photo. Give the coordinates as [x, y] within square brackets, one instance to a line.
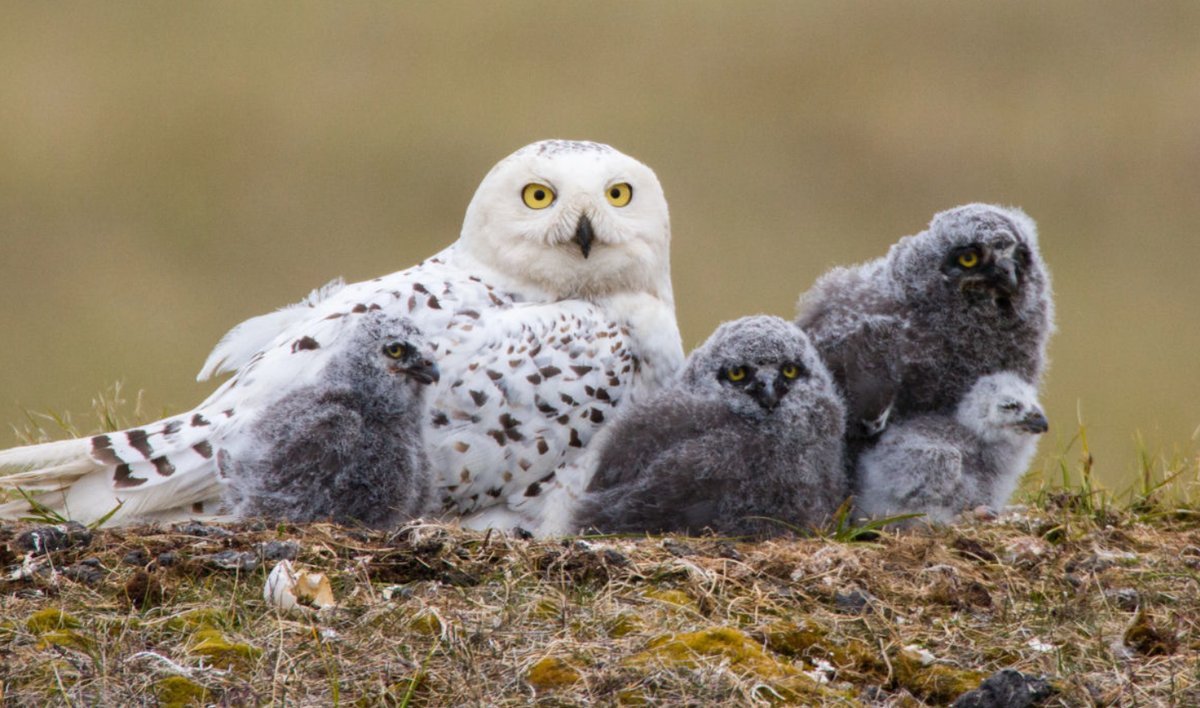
[584, 235]
[423, 371]
[1004, 276]
[1035, 422]
[767, 392]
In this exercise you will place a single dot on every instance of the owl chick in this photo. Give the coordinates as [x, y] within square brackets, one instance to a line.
[909, 333]
[940, 464]
[749, 436]
[346, 447]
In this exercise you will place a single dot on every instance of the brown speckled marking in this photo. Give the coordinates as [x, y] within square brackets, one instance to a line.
[479, 397]
[335, 315]
[103, 452]
[494, 375]
[359, 308]
[511, 427]
[137, 440]
[550, 371]
[542, 446]
[494, 492]
[534, 379]
[507, 476]
[433, 303]
[305, 343]
[575, 441]
[533, 490]
[461, 446]
[498, 436]
[122, 480]
[163, 466]
[203, 449]
[440, 419]
[172, 427]
[199, 421]
[418, 287]
[465, 475]
[597, 416]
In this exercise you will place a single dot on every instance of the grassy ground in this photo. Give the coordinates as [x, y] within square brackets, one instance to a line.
[1102, 603]
[1098, 596]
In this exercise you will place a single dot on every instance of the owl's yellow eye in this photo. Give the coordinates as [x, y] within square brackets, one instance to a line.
[619, 194]
[790, 371]
[735, 373]
[970, 259]
[395, 350]
[537, 196]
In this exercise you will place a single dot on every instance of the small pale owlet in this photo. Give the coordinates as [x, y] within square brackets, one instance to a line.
[939, 464]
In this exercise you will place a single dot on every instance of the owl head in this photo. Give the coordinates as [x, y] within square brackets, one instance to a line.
[572, 219]
[761, 367]
[384, 351]
[978, 257]
[1002, 406]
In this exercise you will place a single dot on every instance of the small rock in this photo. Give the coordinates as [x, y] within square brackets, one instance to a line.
[197, 528]
[137, 556]
[241, 561]
[45, 539]
[87, 571]
[166, 559]
[1006, 689]
[854, 602]
[278, 550]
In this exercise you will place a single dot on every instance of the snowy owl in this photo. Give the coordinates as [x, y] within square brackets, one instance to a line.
[910, 332]
[939, 464]
[551, 312]
[346, 447]
[749, 436]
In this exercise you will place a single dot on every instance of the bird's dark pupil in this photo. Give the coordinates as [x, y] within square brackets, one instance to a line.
[615, 193]
[539, 195]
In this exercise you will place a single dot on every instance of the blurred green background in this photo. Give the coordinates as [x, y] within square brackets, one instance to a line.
[169, 169]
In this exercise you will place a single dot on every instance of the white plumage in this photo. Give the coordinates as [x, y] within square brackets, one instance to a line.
[553, 310]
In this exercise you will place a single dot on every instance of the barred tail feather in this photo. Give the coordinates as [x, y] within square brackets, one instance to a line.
[91, 497]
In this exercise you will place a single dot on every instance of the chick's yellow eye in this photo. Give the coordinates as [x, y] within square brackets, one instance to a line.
[537, 196]
[736, 373]
[619, 194]
[970, 259]
[790, 371]
[395, 350]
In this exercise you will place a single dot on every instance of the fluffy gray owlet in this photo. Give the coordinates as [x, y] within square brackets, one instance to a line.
[751, 431]
[940, 464]
[346, 447]
[909, 333]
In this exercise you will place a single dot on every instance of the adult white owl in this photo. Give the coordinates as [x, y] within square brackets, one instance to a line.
[552, 311]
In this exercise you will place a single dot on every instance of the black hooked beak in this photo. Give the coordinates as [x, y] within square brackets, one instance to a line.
[584, 235]
[423, 371]
[1034, 422]
[767, 391]
[1004, 276]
